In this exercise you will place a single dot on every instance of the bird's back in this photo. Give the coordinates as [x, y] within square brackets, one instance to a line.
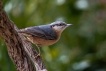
[49, 32]
[40, 35]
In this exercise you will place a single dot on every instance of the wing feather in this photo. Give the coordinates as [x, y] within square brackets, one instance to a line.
[44, 32]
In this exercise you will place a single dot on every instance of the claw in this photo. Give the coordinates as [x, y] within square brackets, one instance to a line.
[38, 55]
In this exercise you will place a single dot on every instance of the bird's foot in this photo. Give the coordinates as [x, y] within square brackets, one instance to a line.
[27, 40]
[38, 55]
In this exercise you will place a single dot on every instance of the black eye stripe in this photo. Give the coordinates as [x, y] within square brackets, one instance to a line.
[58, 25]
[61, 24]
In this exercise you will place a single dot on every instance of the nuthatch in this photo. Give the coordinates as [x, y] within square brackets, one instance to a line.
[44, 35]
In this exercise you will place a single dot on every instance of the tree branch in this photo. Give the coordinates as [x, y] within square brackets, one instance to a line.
[20, 51]
[0, 4]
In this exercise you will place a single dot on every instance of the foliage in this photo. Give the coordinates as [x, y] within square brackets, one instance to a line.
[82, 47]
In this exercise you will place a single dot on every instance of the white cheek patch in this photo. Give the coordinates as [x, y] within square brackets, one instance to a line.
[59, 28]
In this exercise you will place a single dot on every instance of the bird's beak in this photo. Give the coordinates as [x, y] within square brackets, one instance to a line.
[69, 25]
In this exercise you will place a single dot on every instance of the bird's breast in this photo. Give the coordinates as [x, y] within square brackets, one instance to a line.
[42, 42]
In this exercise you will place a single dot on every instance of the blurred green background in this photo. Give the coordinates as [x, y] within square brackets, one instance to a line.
[82, 47]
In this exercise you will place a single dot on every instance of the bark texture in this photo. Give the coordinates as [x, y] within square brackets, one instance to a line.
[20, 51]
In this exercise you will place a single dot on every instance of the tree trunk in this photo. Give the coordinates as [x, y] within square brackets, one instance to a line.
[20, 51]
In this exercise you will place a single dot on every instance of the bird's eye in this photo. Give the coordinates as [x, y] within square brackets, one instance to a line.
[53, 25]
[60, 24]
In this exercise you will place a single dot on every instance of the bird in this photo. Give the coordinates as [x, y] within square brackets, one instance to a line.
[44, 35]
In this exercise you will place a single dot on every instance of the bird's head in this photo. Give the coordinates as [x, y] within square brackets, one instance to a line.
[59, 26]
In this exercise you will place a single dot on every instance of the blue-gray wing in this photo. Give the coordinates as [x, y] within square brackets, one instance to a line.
[49, 32]
[44, 32]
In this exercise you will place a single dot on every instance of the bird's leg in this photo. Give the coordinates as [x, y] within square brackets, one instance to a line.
[39, 50]
[27, 40]
[39, 53]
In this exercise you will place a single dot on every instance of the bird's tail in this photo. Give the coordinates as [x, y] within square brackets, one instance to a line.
[21, 31]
